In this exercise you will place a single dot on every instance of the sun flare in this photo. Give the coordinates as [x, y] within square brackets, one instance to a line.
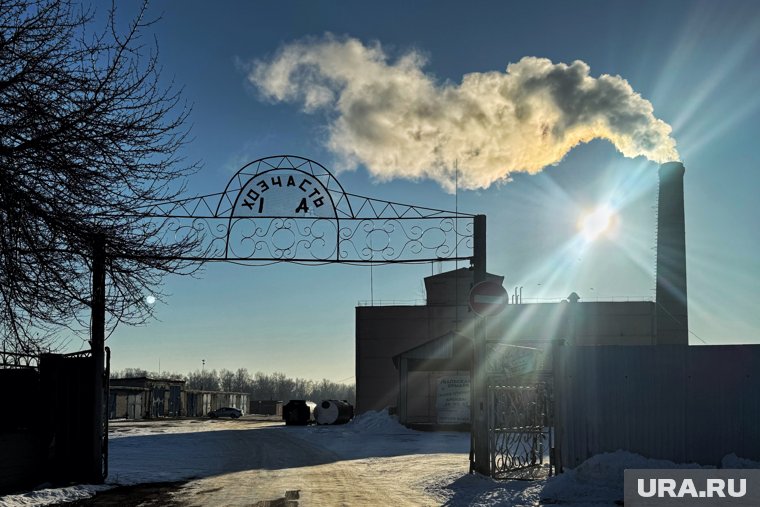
[594, 224]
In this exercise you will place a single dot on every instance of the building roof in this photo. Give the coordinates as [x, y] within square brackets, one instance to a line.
[453, 287]
[462, 273]
[446, 346]
[145, 379]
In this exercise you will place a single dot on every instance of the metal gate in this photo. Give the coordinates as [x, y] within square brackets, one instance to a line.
[519, 430]
[175, 401]
[157, 396]
[57, 439]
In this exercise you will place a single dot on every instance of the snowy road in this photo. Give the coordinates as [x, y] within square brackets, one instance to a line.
[225, 447]
[247, 462]
[369, 482]
[244, 462]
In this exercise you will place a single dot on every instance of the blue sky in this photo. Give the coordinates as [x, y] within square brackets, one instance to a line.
[696, 62]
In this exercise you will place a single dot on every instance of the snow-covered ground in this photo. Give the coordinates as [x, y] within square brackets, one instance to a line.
[371, 460]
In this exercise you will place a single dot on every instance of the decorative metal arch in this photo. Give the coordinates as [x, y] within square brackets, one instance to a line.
[291, 209]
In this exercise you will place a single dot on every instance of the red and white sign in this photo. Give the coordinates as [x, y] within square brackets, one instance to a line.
[488, 298]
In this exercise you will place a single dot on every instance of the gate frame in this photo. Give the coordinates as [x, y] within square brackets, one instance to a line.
[195, 215]
[542, 431]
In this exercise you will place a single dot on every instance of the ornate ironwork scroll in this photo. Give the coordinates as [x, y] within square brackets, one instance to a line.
[292, 209]
[518, 431]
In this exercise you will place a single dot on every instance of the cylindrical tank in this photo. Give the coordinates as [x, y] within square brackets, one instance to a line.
[298, 412]
[334, 412]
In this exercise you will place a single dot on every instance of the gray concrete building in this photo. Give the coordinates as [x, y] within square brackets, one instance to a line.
[385, 333]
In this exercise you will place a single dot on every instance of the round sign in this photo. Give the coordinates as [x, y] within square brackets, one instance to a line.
[488, 298]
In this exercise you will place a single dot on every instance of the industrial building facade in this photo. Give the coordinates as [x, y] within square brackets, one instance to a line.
[405, 353]
[409, 344]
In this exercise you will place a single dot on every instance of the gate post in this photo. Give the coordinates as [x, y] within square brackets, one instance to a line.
[97, 345]
[558, 402]
[479, 425]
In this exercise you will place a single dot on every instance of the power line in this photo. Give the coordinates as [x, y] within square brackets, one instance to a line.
[680, 323]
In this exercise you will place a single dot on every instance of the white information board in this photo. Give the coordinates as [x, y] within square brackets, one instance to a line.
[453, 399]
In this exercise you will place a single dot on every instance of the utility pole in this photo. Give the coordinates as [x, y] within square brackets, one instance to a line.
[479, 424]
[97, 345]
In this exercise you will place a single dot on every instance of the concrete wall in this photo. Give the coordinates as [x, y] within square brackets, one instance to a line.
[200, 403]
[384, 332]
[266, 407]
[685, 404]
[593, 323]
[128, 402]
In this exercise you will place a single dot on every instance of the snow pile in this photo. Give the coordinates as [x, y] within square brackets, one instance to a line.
[460, 490]
[131, 428]
[734, 461]
[378, 422]
[599, 479]
[379, 434]
[52, 496]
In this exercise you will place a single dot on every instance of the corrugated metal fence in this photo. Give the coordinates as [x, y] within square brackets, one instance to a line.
[681, 403]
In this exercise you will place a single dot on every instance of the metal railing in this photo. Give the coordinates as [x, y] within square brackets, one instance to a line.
[14, 360]
[392, 302]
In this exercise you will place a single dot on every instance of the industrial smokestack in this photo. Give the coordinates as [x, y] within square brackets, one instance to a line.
[672, 313]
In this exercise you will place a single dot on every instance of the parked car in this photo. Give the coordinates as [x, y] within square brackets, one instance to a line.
[225, 412]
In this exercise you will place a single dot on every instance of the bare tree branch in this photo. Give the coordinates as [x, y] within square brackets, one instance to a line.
[89, 137]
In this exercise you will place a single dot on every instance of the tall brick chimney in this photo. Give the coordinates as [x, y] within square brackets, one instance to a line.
[672, 312]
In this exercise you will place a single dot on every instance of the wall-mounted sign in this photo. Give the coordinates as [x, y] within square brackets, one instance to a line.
[292, 209]
[514, 360]
[284, 193]
[453, 399]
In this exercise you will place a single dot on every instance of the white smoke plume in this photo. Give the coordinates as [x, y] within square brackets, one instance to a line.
[396, 120]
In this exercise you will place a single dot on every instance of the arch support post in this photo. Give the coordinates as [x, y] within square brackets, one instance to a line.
[479, 384]
[97, 345]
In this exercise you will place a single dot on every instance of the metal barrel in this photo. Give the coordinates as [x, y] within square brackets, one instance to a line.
[334, 412]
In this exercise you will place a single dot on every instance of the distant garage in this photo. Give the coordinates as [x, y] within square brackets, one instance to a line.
[147, 398]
